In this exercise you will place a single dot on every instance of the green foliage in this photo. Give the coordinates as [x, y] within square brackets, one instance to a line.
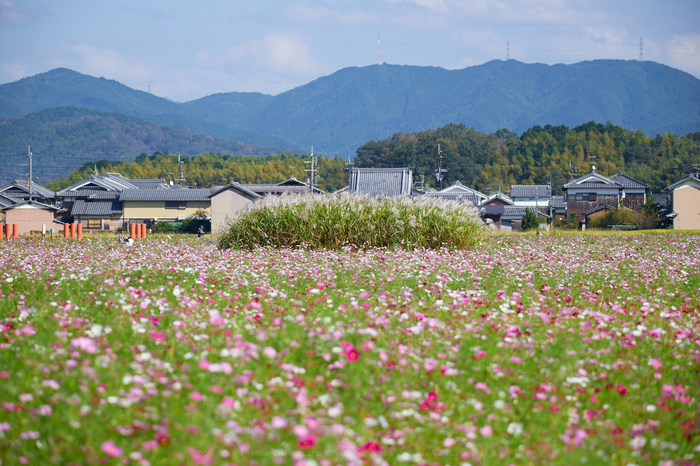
[167, 227]
[569, 223]
[192, 223]
[357, 221]
[540, 155]
[642, 219]
[530, 221]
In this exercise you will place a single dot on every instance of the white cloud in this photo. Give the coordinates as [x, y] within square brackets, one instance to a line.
[14, 70]
[281, 52]
[684, 52]
[110, 63]
[12, 12]
[559, 12]
[438, 5]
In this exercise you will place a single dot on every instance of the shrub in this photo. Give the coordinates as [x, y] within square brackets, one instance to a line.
[192, 223]
[530, 221]
[167, 227]
[643, 220]
[355, 220]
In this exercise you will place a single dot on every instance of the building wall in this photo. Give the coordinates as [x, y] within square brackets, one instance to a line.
[686, 201]
[572, 205]
[633, 201]
[226, 206]
[147, 210]
[106, 224]
[30, 219]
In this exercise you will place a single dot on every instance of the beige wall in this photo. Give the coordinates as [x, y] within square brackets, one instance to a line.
[156, 209]
[225, 206]
[31, 219]
[686, 201]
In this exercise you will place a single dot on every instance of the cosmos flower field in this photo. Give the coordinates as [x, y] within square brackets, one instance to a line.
[523, 350]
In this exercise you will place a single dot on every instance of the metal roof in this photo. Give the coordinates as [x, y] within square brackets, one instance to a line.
[381, 181]
[628, 182]
[176, 194]
[97, 209]
[530, 191]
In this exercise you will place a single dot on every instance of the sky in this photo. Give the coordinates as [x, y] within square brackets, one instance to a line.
[184, 50]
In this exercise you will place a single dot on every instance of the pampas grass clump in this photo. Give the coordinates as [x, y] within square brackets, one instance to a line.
[355, 220]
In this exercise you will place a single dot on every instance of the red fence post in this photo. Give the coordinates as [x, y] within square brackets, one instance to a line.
[143, 230]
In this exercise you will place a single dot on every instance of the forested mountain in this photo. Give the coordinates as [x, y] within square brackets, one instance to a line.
[64, 138]
[208, 170]
[541, 155]
[338, 113]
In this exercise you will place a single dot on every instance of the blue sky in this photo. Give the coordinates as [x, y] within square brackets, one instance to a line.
[185, 50]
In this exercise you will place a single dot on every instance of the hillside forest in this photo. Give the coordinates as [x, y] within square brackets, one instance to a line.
[486, 162]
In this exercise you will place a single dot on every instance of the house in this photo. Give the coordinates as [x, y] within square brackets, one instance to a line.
[589, 191]
[685, 202]
[288, 186]
[498, 198]
[635, 193]
[512, 217]
[536, 195]
[227, 202]
[458, 192]
[21, 190]
[381, 181]
[593, 212]
[31, 217]
[151, 205]
[557, 207]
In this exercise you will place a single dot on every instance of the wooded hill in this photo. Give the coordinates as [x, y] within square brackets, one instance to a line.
[208, 170]
[487, 162]
[541, 155]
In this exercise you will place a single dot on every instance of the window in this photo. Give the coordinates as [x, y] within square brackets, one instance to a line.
[180, 205]
[94, 224]
[586, 197]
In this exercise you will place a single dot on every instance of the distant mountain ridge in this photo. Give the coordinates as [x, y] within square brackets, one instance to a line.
[338, 113]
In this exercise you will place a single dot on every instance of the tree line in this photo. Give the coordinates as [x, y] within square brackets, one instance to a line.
[541, 155]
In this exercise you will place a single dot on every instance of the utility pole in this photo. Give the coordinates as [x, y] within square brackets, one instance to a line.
[180, 163]
[29, 153]
[439, 172]
[311, 170]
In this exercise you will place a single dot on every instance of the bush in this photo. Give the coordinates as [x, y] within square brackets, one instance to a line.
[355, 220]
[643, 220]
[167, 227]
[192, 223]
[530, 221]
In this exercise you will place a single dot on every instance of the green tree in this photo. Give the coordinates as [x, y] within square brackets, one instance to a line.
[530, 221]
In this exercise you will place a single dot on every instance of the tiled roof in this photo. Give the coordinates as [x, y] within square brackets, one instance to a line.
[7, 200]
[236, 187]
[592, 180]
[97, 209]
[558, 202]
[274, 189]
[175, 194]
[519, 211]
[597, 208]
[21, 185]
[542, 191]
[103, 195]
[688, 178]
[381, 181]
[498, 195]
[149, 184]
[458, 188]
[628, 182]
[461, 197]
[39, 205]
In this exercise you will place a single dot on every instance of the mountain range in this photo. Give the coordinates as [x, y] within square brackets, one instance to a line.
[338, 113]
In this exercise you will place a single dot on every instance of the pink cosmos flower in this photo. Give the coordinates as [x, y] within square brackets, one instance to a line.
[486, 431]
[84, 344]
[655, 363]
[621, 389]
[430, 364]
[482, 386]
[150, 445]
[158, 336]
[110, 449]
[269, 352]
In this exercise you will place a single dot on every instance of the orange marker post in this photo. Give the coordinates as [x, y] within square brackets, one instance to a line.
[80, 231]
[65, 230]
[8, 230]
[15, 230]
[143, 231]
[2, 233]
[72, 231]
[132, 229]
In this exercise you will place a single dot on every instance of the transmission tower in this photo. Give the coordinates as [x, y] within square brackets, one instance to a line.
[641, 49]
[379, 51]
[180, 163]
[507, 50]
[312, 170]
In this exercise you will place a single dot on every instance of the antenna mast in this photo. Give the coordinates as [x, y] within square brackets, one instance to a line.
[507, 50]
[379, 51]
[641, 49]
[440, 170]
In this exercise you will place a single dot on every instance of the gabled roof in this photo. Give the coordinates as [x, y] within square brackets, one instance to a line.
[498, 195]
[459, 188]
[98, 208]
[381, 181]
[689, 179]
[97, 183]
[597, 208]
[460, 197]
[31, 205]
[530, 191]
[175, 194]
[592, 180]
[274, 189]
[21, 187]
[232, 186]
[628, 182]
[519, 211]
[143, 183]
